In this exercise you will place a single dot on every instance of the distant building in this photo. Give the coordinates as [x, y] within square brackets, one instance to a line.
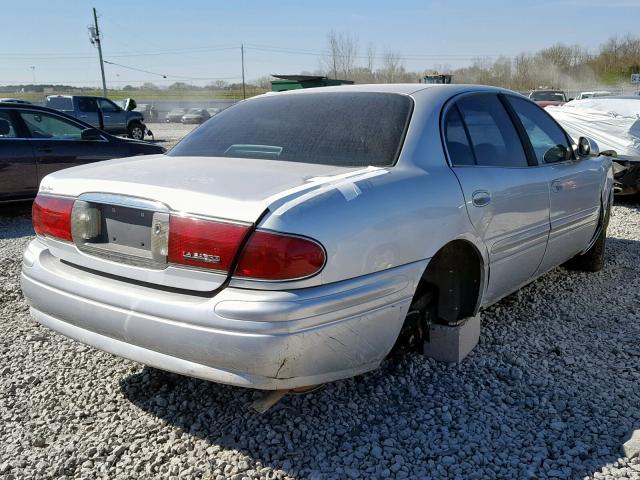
[295, 82]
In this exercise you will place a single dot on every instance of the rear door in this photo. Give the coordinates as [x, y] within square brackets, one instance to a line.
[57, 142]
[87, 111]
[18, 174]
[575, 186]
[507, 199]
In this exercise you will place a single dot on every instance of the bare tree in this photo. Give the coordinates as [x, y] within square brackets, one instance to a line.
[392, 69]
[342, 53]
[371, 57]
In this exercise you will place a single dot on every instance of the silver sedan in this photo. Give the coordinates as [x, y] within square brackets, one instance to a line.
[295, 238]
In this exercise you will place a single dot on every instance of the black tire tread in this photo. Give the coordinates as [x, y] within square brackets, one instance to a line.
[593, 259]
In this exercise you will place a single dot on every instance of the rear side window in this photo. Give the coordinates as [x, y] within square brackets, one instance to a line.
[458, 146]
[493, 137]
[60, 103]
[87, 104]
[547, 139]
[7, 129]
[341, 128]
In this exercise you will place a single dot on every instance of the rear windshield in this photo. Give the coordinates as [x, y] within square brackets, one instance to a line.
[60, 103]
[341, 128]
[548, 96]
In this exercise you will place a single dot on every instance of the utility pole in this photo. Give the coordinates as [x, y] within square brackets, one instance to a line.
[94, 38]
[244, 90]
[33, 72]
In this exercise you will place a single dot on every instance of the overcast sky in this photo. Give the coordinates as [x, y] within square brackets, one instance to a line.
[199, 41]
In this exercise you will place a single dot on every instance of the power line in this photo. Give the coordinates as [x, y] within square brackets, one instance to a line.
[434, 56]
[262, 48]
[204, 50]
[168, 75]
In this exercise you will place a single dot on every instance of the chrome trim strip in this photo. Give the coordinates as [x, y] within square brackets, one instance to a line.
[124, 201]
[566, 224]
[521, 240]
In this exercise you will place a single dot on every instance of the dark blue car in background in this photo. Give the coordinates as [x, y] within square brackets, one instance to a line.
[35, 141]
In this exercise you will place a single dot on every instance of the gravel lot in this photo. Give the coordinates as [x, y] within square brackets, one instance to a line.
[168, 134]
[552, 391]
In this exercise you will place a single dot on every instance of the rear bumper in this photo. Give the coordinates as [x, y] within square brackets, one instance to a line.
[251, 338]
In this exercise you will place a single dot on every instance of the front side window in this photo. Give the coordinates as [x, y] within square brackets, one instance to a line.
[548, 140]
[108, 106]
[494, 139]
[44, 125]
[7, 129]
[334, 128]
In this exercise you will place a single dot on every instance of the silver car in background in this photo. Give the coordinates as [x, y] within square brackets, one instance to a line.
[296, 237]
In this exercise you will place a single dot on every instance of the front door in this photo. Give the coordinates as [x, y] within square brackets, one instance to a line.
[58, 144]
[507, 199]
[574, 185]
[114, 117]
[18, 175]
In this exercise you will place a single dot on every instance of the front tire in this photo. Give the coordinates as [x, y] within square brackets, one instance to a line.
[136, 131]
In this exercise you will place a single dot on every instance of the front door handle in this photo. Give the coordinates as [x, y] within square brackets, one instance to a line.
[481, 198]
[45, 149]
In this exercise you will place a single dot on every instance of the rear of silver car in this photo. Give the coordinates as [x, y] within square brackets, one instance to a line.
[172, 263]
[268, 339]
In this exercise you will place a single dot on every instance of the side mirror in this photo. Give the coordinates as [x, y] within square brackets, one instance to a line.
[559, 153]
[91, 134]
[587, 147]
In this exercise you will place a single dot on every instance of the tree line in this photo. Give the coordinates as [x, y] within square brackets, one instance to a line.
[560, 66]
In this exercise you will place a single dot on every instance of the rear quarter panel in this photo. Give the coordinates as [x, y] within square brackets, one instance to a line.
[386, 217]
[372, 224]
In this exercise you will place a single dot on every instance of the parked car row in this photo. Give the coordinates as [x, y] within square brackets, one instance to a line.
[191, 115]
[36, 141]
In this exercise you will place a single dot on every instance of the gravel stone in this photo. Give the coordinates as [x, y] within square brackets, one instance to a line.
[631, 447]
[551, 391]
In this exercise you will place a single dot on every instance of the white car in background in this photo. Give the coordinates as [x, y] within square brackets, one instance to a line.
[594, 94]
[295, 237]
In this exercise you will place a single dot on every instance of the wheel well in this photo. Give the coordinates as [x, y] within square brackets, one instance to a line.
[455, 273]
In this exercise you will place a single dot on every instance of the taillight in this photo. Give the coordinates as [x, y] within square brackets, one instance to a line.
[51, 216]
[204, 243]
[276, 256]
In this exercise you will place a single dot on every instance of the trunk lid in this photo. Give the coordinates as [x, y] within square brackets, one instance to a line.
[124, 206]
[229, 188]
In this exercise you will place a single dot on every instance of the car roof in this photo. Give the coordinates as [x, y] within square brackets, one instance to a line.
[435, 90]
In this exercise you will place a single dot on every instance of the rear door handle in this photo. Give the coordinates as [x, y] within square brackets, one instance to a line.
[481, 198]
[46, 149]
